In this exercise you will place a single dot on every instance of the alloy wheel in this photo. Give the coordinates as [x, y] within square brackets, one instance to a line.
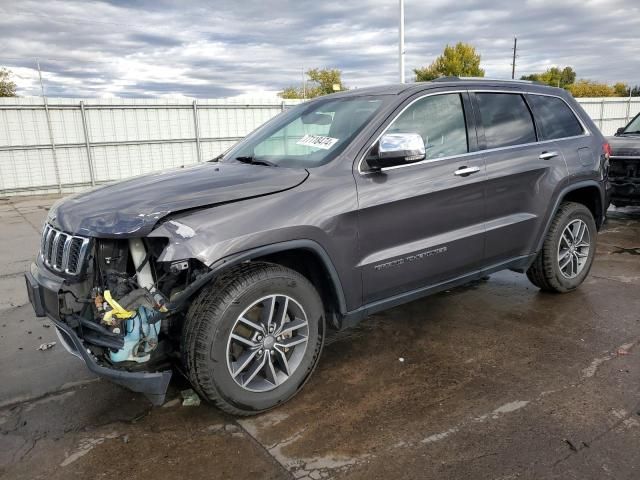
[267, 343]
[573, 248]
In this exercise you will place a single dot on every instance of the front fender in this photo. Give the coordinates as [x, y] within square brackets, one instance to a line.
[231, 260]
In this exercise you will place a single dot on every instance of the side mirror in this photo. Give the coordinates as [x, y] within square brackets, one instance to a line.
[396, 149]
[620, 131]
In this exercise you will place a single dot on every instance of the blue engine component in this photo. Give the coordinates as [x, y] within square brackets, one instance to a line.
[141, 337]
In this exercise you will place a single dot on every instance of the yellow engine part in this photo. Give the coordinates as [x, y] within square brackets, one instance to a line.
[116, 310]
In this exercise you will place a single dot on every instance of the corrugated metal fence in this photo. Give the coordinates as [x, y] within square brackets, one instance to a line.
[70, 144]
[610, 113]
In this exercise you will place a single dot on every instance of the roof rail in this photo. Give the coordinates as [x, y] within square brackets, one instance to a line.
[456, 79]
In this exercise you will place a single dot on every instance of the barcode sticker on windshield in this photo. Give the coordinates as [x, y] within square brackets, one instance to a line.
[317, 141]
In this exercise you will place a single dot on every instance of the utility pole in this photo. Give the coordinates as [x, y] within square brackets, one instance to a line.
[513, 65]
[401, 46]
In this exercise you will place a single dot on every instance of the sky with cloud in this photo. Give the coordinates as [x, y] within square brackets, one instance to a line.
[225, 48]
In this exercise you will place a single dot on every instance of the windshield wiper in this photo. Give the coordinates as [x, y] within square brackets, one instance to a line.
[636, 132]
[254, 161]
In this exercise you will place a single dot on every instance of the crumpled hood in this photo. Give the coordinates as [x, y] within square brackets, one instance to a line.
[625, 146]
[133, 207]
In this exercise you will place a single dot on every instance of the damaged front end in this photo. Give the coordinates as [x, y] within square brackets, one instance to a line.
[624, 176]
[112, 304]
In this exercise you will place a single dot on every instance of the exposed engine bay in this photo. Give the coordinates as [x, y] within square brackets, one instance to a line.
[624, 176]
[118, 305]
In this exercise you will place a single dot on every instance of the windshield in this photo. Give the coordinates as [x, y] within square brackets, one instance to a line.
[634, 126]
[308, 135]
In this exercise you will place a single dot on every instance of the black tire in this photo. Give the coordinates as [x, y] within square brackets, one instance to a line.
[545, 271]
[209, 323]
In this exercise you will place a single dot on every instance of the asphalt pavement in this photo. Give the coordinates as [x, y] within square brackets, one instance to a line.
[491, 380]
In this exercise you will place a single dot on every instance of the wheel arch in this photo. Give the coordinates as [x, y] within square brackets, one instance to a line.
[589, 196]
[588, 193]
[304, 256]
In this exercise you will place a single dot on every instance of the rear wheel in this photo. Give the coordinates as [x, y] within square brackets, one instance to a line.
[253, 338]
[568, 250]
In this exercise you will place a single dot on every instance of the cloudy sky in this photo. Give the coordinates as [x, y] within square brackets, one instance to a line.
[224, 48]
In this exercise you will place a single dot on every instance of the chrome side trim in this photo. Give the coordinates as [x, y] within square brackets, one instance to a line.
[586, 131]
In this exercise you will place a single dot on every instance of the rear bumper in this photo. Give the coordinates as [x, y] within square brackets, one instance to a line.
[42, 288]
[625, 192]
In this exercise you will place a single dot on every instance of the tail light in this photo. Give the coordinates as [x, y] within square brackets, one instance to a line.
[606, 154]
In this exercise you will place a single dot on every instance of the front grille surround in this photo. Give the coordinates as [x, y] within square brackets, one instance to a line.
[62, 252]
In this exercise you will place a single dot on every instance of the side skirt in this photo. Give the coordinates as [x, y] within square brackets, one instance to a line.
[352, 318]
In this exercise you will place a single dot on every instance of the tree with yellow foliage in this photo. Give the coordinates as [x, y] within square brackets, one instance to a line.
[589, 88]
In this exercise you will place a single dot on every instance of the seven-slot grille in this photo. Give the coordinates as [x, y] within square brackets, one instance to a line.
[63, 252]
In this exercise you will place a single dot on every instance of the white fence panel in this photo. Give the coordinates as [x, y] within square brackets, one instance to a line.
[101, 140]
[610, 113]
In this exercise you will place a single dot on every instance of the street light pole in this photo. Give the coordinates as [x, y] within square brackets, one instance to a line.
[401, 43]
[513, 65]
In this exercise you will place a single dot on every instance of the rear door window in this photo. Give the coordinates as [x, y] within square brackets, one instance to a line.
[506, 119]
[554, 117]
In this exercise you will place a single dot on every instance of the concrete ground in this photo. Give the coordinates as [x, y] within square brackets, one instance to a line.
[492, 380]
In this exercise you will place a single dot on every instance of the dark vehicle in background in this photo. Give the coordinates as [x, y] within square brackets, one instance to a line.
[344, 206]
[624, 170]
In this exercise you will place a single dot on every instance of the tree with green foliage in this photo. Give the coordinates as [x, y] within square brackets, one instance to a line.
[321, 81]
[589, 88]
[460, 60]
[554, 77]
[7, 87]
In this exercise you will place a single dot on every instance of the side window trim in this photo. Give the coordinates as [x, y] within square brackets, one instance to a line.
[482, 141]
[537, 128]
[481, 138]
[470, 122]
[475, 114]
[540, 133]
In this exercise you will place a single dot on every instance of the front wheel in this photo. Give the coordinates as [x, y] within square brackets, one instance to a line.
[253, 338]
[568, 250]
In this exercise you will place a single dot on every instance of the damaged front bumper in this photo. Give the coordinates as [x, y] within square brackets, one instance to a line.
[44, 288]
[624, 177]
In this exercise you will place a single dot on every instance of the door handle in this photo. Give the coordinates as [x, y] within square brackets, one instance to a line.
[547, 155]
[466, 171]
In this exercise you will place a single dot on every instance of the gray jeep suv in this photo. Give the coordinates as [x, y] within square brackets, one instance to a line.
[231, 270]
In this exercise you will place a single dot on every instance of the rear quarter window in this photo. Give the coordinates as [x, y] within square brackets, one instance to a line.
[554, 117]
[506, 119]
